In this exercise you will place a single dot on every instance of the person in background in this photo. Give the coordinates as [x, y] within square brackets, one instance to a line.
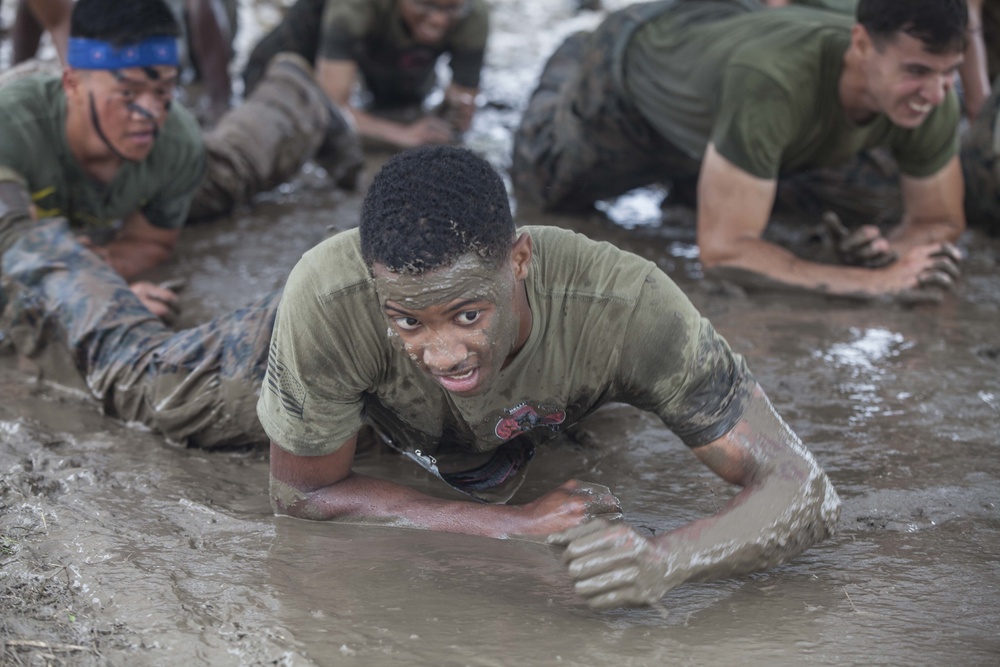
[735, 99]
[388, 50]
[208, 28]
[106, 145]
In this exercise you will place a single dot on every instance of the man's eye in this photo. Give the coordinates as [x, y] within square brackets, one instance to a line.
[407, 323]
[127, 94]
[469, 316]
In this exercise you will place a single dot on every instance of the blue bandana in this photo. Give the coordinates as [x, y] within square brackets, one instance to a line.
[94, 54]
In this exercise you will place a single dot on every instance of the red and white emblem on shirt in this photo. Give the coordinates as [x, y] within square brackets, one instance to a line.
[525, 416]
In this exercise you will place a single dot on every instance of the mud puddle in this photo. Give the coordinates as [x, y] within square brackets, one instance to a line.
[117, 548]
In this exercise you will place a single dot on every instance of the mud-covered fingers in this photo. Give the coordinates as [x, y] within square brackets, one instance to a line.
[600, 501]
[862, 241]
[950, 251]
[834, 225]
[566, 537]
[934, 277]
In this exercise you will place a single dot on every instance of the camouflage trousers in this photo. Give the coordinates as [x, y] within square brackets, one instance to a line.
[78, 321]
[264, 141]
[300, 31]
[581, 139]
[981, 165]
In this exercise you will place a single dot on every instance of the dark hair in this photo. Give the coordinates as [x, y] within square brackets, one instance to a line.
[122, 22]
[428, 206]
[940, 24]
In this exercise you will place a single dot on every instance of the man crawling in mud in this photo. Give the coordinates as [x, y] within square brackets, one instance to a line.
[106, 145]
[466, 344]
[743, 108]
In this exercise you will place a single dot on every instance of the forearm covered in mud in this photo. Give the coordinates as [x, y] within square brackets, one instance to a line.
[324, 488]
[787, 503]
[362, 499]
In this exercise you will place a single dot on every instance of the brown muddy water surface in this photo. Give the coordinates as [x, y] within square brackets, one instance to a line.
[117, 548]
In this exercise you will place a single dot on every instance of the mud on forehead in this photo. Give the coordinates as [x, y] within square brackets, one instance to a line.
[469, 277]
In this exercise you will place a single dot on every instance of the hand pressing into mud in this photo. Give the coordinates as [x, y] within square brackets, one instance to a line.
[922, 273]
[570, 505]
[159, 299]
[864, 247]
[427, 130]
[615, 566]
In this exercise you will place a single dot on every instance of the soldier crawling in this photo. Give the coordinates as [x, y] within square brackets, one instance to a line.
[467, 344]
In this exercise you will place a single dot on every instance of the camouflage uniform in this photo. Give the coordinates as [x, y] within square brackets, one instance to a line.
[68, 310]
[981, 165]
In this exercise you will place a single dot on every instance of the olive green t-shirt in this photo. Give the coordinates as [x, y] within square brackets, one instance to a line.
[762, 86]
[34, 152]
[840, 6]
[606, 326]
[373, 34]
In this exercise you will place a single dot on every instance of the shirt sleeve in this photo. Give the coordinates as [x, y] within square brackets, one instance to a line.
[754, 124]
[319, 368]
[677, 366]
[345, 23]
[468, 47]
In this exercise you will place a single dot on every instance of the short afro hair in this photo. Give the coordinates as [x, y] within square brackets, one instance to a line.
[122, 22]
[940, 24]
[428, 206]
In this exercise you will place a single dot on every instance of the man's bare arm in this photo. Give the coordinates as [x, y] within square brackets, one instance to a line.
[933, 209]
[787, 504]
[733, 210]
[337, 79]
[322, 488]
[139, 246]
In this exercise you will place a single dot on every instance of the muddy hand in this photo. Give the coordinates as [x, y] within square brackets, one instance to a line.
[571, 504]
[864, 247]
[921, 274]
[615, 566]
[161, 302]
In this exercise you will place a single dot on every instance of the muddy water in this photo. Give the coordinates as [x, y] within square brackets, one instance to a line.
[117, 548]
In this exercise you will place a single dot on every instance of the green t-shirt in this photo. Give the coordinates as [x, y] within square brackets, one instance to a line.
[607, 326]
[839, 6]
[373, 34]
[34, 152]
[763, 87]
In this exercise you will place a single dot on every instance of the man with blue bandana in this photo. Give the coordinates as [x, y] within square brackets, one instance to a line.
[105, 146]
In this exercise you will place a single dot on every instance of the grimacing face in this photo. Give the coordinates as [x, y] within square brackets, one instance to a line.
[906, 82]
[127, 107]
[462, 323]
[430, 20]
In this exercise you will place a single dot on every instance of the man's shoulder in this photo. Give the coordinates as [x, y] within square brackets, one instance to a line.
[31, 99]
[571, 263]
[332, 268]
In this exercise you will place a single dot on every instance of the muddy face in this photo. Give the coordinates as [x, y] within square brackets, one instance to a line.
[461, 323]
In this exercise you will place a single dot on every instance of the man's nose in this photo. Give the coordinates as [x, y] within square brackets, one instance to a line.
[148, 107]
[937, 88]
[444, 353]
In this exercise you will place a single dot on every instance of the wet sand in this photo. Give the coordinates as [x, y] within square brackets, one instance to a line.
[117, 548]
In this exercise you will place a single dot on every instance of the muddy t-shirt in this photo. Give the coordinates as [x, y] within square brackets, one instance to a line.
[34, 152]
[373, 34]
[763, 88]
[606, 326]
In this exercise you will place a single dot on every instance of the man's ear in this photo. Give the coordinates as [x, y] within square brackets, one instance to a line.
[70, 82]
[861, 41]
[520, 256]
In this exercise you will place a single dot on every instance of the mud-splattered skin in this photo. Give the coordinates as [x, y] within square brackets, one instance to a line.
[787, 505]
[464, 321]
